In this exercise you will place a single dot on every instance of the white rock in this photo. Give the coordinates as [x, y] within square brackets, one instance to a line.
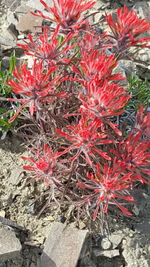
[105, 243]
[10, 246]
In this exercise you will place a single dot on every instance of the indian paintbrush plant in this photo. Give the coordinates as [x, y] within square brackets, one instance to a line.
[72, 98]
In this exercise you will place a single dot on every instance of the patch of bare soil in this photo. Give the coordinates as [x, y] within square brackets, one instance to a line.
[17, 203]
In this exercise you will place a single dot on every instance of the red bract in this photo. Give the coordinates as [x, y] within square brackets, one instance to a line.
[96, 67]
[142, 122]
[34, 85]
[103, 101]
[46, 48]
[127, 28]
[106, 187]
[85, 136]
[66, 12]
[133, 153]
[44, 165]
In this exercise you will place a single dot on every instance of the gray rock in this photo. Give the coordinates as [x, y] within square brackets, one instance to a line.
[135, 250]
[10, 246]
[143, 227]
[63, 246]
[6, 42]
[115, 240]
[105, 243]
[14, 4]
[142, 9]
[23, 9]
[29, 23]
[3, 264]
[107, 253]
[11, 18]
[12, 30]
[16, 175]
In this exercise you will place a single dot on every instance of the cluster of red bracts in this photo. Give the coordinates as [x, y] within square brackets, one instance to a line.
[113, 171]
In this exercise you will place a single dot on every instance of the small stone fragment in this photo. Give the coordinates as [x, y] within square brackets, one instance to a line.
[12, 30]
[115, 240]
[63, 246]
[14, 4]
[142, 9]
[16, 175]
[29, 23]
[2, 213]
[11, 18]
[23, 9]
[10, 246]
[107, 253]
[105, 243]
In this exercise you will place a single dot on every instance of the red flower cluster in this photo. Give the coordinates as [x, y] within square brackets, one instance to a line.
[103, 101]
[67, 13]
[45, 166]
[133, 154]
[142, 120]
[85, 136]
[88, 134]
[126, 30]
[47, 49]
[36, 86]
[97, 67]
[107, 186]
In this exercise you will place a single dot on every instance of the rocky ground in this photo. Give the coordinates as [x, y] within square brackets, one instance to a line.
[129, 241]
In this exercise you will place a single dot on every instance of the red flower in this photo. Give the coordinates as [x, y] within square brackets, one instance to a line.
[46, 48]
[142, 122]
[44, 165]
[133, 154]
[96, 67]
[66, 12]
[106, 187]
[103, 101]
[127, 28]
[36, 86]
[85, 136]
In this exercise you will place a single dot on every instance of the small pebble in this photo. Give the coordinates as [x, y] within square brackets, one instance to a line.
[2, 213]
[105, 243]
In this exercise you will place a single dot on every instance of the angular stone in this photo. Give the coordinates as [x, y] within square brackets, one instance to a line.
[16, 176]
[23, 9]
[12, 30]
[7, 42]
[8, 3]
[107, 253]
[105, 243]
[142, 9]
[14, 5]
[11, 18]
[63, 246]
[10, 246]
[115, 240]
[2, 213]
[29, 23]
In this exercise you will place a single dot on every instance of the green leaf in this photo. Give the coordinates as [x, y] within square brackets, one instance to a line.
[4, 122]
[12, 62]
